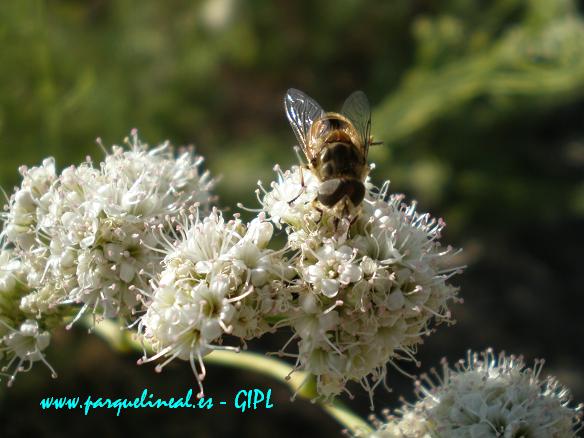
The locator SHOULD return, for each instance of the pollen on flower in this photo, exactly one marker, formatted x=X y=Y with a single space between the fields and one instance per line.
x=218 y=278
x=365 y=297
x=488 y=396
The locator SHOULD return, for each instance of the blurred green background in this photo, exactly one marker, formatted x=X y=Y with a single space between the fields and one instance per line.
x=480 y=105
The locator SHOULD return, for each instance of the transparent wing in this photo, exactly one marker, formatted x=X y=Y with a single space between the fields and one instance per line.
x=358 y=111
x=301 y=111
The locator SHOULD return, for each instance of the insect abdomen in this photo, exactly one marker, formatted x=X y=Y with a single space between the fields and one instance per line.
x=334 y=190
x=339 y=159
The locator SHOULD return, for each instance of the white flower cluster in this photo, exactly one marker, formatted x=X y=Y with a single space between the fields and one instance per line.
x=22 y=337
x=366 y=294
x=219 y=278
x=359 y=292
x=486 y=396
x=85 y=236
x=409 y=425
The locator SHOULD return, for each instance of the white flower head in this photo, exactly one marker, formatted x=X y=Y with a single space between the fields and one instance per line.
x=219 y=279
x=367 y=294
x=23 y=347
x=86 y=236
x=28 y=204
x=23 y=335
x=488 y=396
x=289 y=200
x=333 y=269
x=144 y=183
x=12 y=289
x=409 y=424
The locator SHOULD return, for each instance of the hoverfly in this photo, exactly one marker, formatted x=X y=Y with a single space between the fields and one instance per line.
x=336 y=147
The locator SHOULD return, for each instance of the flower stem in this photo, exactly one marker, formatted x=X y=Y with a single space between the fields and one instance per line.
x=300 y=383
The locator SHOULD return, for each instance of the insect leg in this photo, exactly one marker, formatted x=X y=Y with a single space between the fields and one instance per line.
x=374 y=143
x=336 y=224
x=302 y=187
x=320 y=210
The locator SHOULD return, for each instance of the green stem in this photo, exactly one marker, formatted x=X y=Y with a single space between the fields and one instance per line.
x=300 y=383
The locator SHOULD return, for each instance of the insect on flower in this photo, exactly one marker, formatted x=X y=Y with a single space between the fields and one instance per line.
x=336 y=147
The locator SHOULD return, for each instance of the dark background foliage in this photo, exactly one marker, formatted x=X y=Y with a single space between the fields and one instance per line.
x=480 y=105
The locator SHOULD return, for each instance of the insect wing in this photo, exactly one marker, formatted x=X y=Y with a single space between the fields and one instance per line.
x=356 y=108
x=302 y=111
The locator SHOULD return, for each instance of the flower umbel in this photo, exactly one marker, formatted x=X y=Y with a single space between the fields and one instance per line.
x=364 y=297
x=85 y=235
x=23 y=338
x=486 y=396
x=218 y=279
